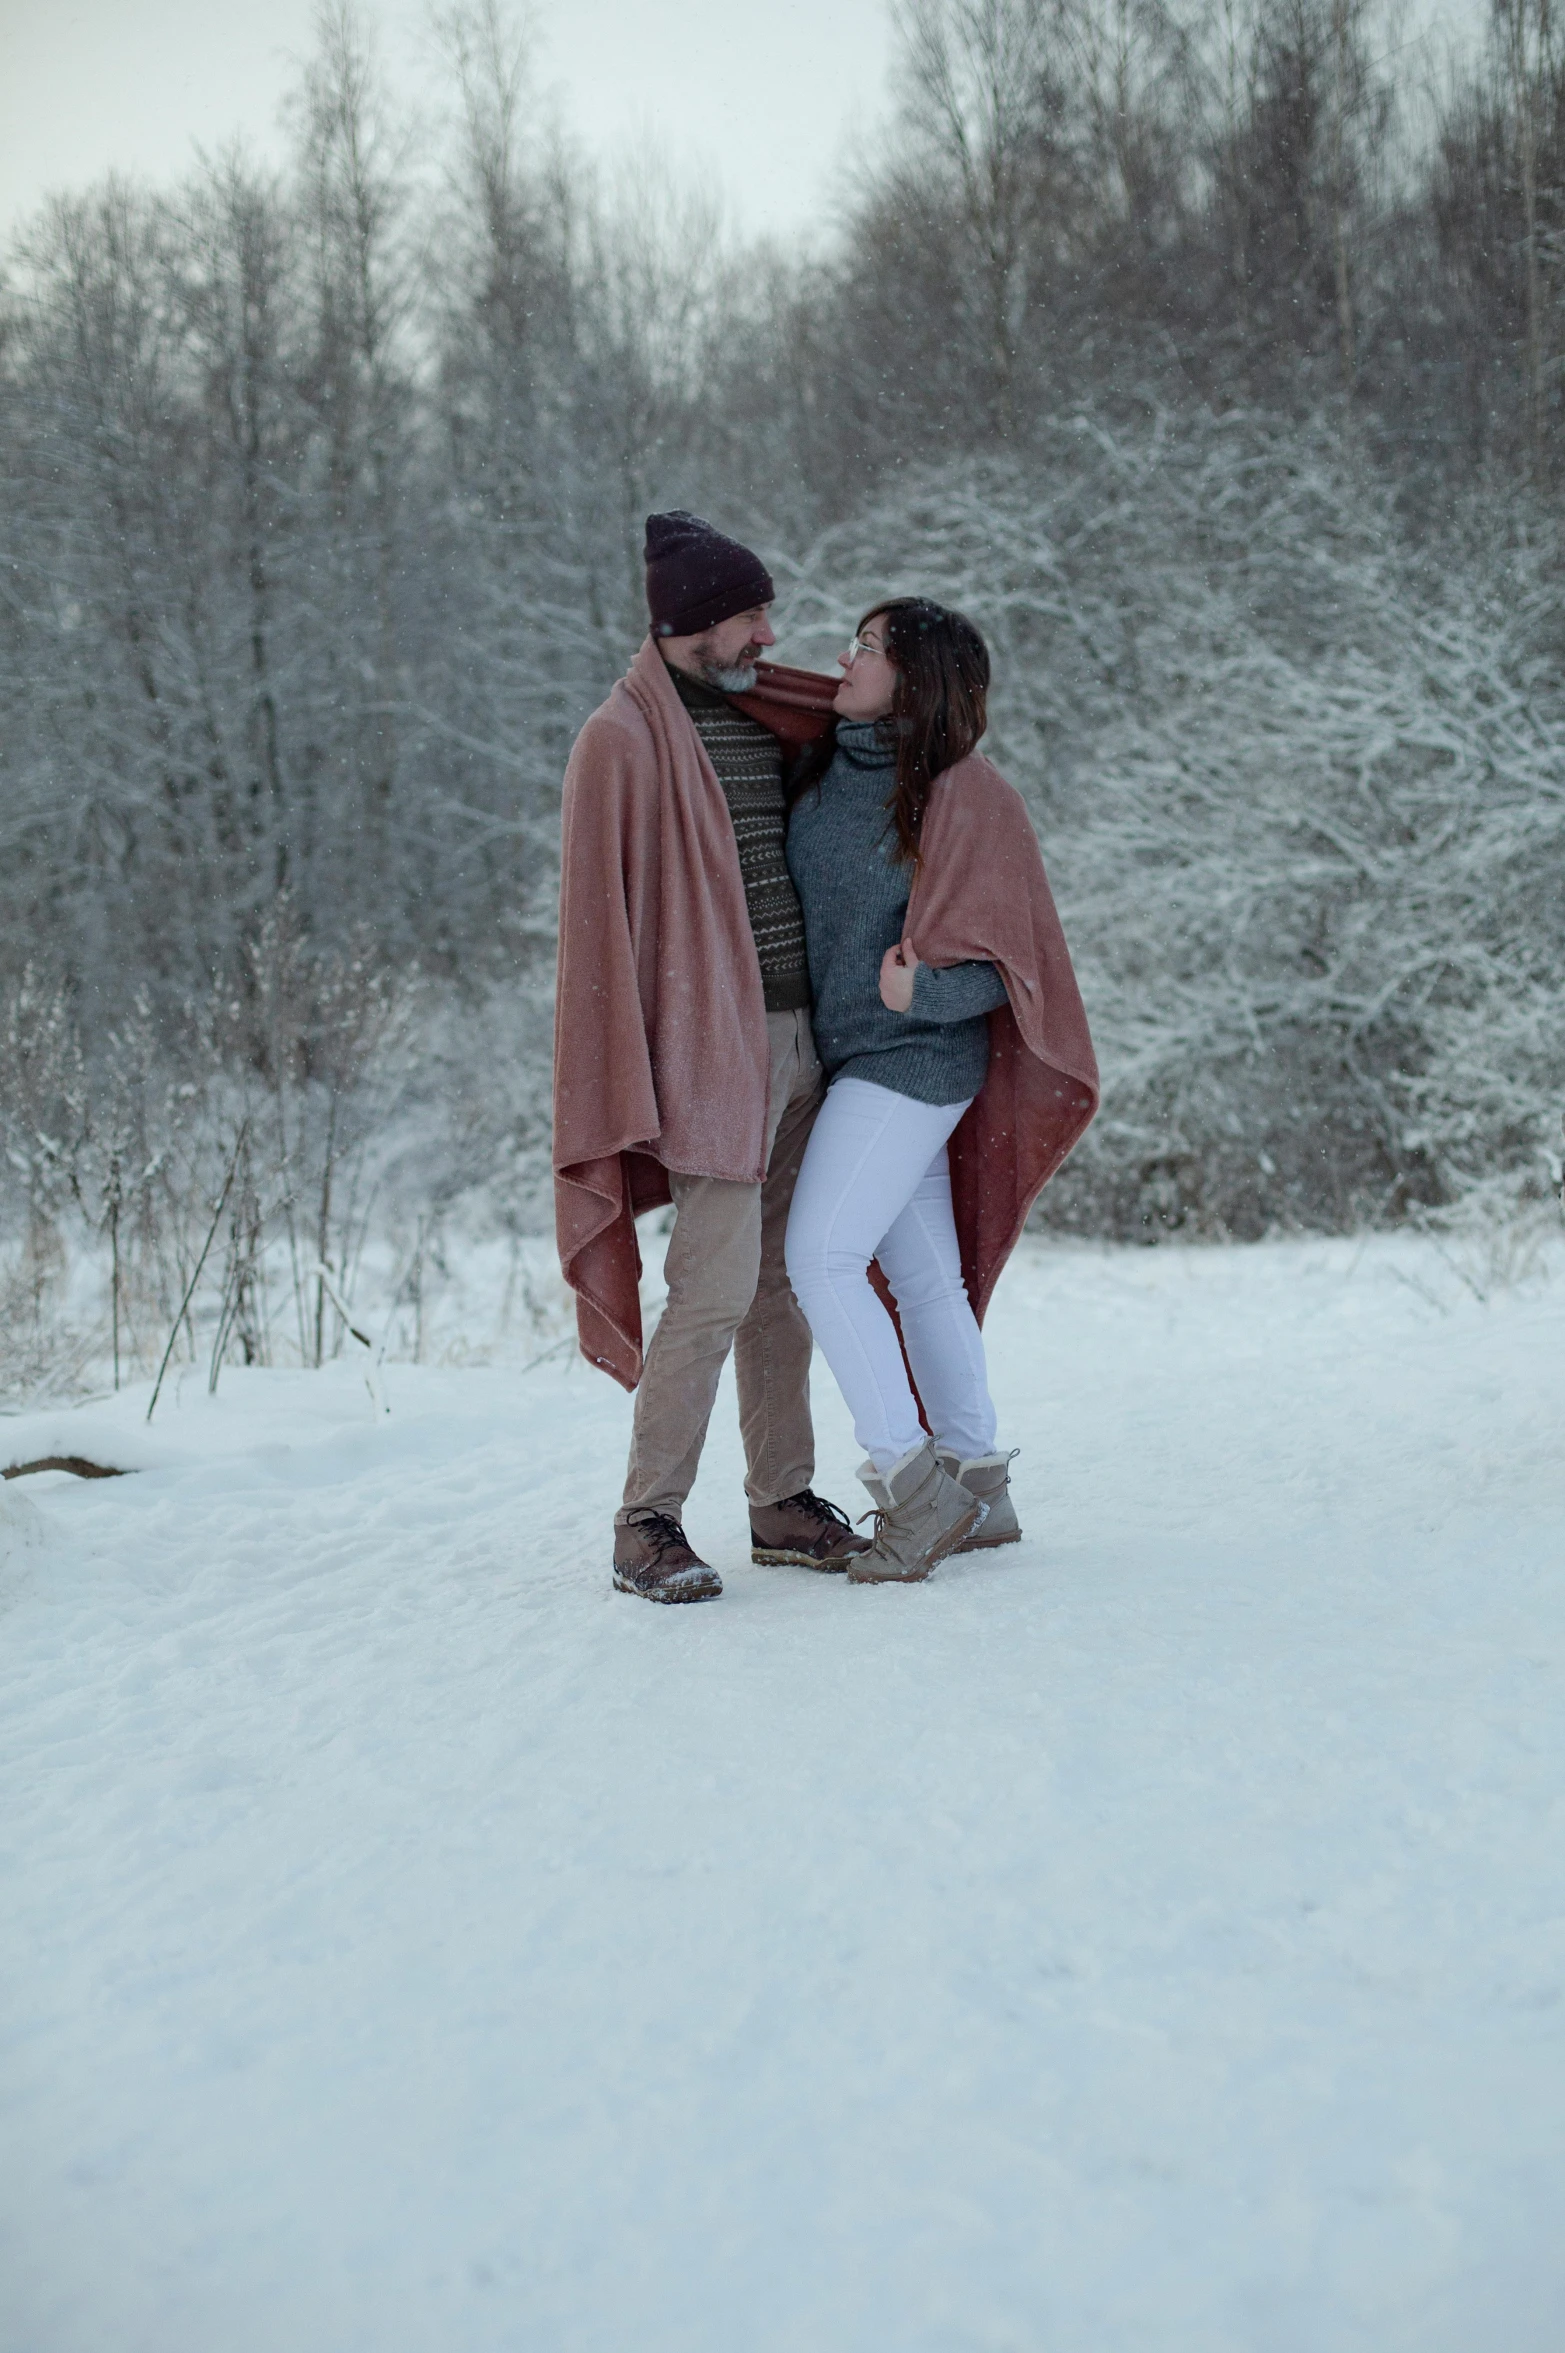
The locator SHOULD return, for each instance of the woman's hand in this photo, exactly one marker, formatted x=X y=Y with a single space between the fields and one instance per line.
x=898 y=971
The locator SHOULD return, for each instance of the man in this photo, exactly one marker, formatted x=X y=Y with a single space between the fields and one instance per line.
x=685 y=1069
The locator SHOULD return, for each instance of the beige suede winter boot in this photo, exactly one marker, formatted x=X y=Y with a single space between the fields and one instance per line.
x=988 y=1476
x=921 y=1515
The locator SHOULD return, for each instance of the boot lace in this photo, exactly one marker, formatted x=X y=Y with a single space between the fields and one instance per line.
x=661 y=1530
x=815 y=1507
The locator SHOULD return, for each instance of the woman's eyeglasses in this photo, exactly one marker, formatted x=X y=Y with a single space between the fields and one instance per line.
x=863 y=645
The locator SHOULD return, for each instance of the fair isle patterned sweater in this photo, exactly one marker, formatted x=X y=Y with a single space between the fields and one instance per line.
x=748 y=760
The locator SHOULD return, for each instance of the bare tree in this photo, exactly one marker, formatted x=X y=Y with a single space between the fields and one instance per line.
x=1525 y=29
x=355 y=194
x=984 y=104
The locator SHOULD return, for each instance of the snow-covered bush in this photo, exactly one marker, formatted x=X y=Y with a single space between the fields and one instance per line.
x=1301 y=786
x=323 y=1117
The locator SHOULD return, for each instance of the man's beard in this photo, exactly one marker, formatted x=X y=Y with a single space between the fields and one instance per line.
x=731 y=677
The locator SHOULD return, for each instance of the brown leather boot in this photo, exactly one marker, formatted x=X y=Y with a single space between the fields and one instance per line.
x=804 y=1531
x=653 y=1557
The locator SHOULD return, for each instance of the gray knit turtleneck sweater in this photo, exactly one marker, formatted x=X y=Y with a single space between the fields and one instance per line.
x=854 y=894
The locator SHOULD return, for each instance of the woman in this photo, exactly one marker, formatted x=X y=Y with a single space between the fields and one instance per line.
x=944 y=1008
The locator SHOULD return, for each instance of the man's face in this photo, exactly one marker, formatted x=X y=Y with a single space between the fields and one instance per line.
x=725 y=656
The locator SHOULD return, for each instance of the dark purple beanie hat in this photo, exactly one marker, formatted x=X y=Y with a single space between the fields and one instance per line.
x=696 y=577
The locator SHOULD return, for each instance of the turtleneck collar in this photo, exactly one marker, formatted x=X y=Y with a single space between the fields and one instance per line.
x=865 y=743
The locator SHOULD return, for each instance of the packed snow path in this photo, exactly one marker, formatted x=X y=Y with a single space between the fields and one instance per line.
x=1148 y=1940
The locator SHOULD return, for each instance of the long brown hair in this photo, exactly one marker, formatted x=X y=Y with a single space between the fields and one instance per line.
x=939 y=707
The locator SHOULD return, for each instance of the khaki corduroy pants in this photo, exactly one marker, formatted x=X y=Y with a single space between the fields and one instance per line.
x=728 y=1288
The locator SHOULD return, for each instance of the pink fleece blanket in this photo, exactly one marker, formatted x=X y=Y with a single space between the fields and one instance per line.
x=661 y=1058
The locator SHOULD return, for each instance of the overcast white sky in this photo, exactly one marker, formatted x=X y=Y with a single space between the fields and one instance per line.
x=766 y=99
x=769 y=100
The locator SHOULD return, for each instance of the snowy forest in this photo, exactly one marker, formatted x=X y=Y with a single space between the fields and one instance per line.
x=1208 y=353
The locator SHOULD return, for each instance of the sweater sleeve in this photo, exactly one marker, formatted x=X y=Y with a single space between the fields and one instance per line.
x=958 y=992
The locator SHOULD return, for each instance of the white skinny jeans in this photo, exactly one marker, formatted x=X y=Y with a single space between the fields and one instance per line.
x=876 y=1183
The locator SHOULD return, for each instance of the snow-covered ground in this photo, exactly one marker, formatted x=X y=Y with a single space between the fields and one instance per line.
x=1149 y=1940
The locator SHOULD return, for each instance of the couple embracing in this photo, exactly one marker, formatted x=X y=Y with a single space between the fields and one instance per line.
x=813 y=992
